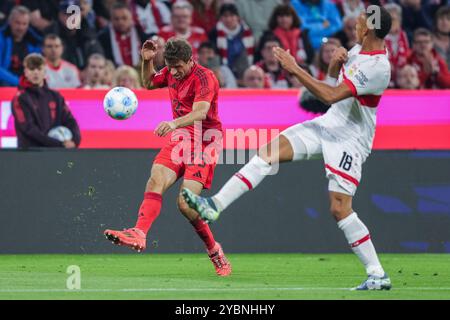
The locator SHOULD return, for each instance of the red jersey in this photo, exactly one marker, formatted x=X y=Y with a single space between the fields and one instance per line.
x=200 y=85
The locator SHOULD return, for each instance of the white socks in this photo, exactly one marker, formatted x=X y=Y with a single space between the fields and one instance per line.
x=246 y=179
x=358 y=237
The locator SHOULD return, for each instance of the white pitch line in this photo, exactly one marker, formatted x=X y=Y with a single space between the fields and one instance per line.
x=209 y=289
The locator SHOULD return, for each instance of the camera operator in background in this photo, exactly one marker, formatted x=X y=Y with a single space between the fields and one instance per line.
x=38 y=109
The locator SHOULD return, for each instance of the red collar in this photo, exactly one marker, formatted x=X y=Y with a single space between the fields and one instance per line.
x=375 y=52
x=25 y=84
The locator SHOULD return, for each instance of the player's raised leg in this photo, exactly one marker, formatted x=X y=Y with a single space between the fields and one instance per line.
x=160 y=180
x=358 y=237
x=277 y=151
x=213 y=248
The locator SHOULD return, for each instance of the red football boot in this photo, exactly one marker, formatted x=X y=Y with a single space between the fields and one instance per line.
x=133 y=238
x=220 y=262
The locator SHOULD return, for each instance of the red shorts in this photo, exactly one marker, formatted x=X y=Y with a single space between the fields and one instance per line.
x=196 y=169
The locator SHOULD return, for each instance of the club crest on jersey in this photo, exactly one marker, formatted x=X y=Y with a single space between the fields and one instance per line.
x=352 y=70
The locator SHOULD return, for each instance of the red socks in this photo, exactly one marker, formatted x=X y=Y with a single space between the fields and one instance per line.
x=204 y=232
x=149 y=211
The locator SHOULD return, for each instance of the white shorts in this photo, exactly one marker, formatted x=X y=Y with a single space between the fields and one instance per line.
x=342 y=159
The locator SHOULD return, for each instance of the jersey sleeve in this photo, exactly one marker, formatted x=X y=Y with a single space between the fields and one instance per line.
x=368 y=78
x=205 y=87
x=160 y=80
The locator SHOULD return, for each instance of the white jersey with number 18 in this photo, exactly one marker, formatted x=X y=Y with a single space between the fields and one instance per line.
x=367 y=74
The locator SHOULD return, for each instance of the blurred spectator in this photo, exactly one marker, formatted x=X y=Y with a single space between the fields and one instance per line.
x=95 y=72
x=320 y=17
x=207 y=57
x=5 y=8
x=234 y=40
x=126 y=76
x=414 y=17
x=101 y=12
x=285 y=24
x=158 y=61
x=256 y=13
x=408 y=78
x=43 y=13
x=255 y=78
x=347 y=35
x=149 y=15
x=205 y=14
x=432 y=69
x=181 y=26
x=319 y=70
x=278 y=77
x=79 y=41
x=121 y=40
x=108 y=75
x=88 y=13
x=351 y=8
x=396 y=41
x=17 y=40
x=60 y=73
x=441 y=36
x=37 y=109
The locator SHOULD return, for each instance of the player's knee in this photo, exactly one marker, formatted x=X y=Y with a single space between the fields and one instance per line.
x=336 y=210
x=155 y=183
x=340 y=208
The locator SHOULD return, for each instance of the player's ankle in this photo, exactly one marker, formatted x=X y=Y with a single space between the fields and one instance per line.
x=376 y=271
x=215 y=203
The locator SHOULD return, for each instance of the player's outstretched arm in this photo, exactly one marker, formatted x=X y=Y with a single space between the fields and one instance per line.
x=148 y=71
x=321 y=90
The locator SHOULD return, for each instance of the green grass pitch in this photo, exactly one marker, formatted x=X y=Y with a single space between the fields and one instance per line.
x=191 y=276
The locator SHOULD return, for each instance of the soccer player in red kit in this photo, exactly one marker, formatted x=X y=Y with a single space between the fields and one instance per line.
x=193 y=91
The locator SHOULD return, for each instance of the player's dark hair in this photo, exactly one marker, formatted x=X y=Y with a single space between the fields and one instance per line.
x=385 y=22
x=177 y=49
x=33 y=61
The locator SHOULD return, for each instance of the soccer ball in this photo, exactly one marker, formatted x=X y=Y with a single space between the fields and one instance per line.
x=120 y=103
x=60 y=133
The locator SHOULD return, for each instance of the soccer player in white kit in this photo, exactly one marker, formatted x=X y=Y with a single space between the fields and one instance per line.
x=343 y=137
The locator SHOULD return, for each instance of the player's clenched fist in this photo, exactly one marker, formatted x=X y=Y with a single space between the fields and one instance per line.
x=148 y=51
x=340 y=55
x=164 y=128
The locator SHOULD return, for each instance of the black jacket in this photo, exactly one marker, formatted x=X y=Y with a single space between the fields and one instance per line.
x=36 y=111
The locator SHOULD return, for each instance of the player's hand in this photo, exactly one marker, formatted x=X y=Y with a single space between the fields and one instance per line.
x=340 y=56
x=165 y=128
x=69 y=144
x=286 y=60
x=149 y=50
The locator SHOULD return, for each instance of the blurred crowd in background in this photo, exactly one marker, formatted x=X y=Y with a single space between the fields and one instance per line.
x=234 y=38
